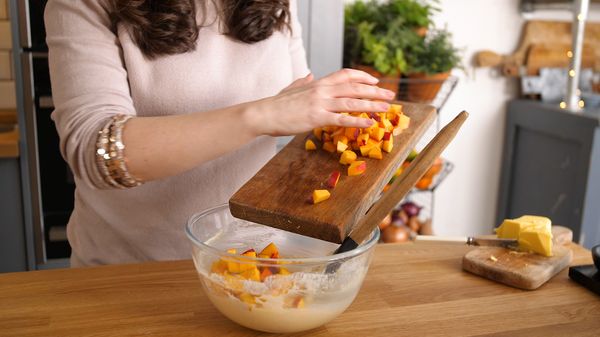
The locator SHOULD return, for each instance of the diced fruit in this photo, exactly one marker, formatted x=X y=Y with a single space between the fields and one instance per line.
x=341 y=147
x=347 y=157
x=329 y=147
x=395 y=119
x=352 y=133
x=218 y=267
x=309 y=145
x=365 y=149
x=404 y=122
x=377 y=133
x=357 y=167
x=362 y=139
x=333 y=179
x=329 y=129
x=320 y=195
x=375 y=116
x=318 y=133
x=271 y=251
x=338 y=132
x=251 y=274
x=386 y=124
x=396 y=108
x=284 y=271
x=387 y=136
x=375 y=153
x=298 y=302
x=388 y=145
x=247 y=298
x=266 y=272
x=233 y=267
x=326 y=137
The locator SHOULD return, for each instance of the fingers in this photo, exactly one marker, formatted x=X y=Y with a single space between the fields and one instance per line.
x=348 y=75
x=354 y=105
x=336 y=119
x=359 y=90
x=300 y=82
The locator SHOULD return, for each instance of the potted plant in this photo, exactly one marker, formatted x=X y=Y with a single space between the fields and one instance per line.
x=429 y=63
x=378 y=33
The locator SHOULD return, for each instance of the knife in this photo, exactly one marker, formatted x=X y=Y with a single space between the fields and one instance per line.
x=469 y=240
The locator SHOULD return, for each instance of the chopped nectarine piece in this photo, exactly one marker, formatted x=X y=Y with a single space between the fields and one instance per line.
x=375 y=153
x=266 y=272
x=271 y=251
x=396 y=108
x=320 y=195
x=318 y=133
x=388 y=145
x=329 y=129
x=298 y=302
x=251 y=274
x=387 y=136
x=362 y=139
x=347 y=157
x=218 y=267
x=284 y=271
x=404 y=122
x=377 y=133
x=329 y=147
x=340 y=138
x=352 y=133
x=333 y=179
x=386 y=124
x=326 y=137
x=309 y=145
x=365 y=149
x=247 y=298
x=357 y=167
x=233 y=267
x=341 y=147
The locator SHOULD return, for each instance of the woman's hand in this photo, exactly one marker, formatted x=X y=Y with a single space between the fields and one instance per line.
x=308 y=104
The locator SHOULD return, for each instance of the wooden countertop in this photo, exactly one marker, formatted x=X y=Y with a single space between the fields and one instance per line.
x=411 y=290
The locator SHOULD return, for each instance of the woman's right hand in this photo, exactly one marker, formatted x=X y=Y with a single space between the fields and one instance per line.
x=308 y=104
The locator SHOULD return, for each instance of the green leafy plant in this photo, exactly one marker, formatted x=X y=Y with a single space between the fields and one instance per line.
x=433 y=54
x=379 y=33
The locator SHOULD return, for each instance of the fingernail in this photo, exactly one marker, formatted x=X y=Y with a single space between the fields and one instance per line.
x=389 y=93
x=374 y=79
x=383 y=106
x=368 y=122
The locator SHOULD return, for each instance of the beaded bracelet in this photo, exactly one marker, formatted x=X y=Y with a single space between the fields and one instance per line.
x=111 y=160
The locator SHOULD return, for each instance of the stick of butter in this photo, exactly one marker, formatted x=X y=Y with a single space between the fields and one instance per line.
x=534 y=233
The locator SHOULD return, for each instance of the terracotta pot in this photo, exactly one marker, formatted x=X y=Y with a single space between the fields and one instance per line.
x=425 y=87
x=386 y=82
x=421 y=31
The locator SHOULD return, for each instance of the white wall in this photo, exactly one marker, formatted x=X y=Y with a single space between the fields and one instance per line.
x=465 y=203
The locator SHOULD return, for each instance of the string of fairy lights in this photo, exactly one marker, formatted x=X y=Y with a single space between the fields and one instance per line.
x=573 y=100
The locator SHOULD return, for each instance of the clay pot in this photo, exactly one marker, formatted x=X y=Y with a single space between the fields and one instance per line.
x=386 y=82
x=425 y=87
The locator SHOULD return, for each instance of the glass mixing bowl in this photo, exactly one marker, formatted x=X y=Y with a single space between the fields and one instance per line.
x=293 y=293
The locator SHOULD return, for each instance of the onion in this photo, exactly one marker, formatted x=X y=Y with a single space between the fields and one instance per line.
x=395 y=234
x=411 y=209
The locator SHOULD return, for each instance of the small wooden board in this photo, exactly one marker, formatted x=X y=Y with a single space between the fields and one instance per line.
x=278 y=194
x=521 y=270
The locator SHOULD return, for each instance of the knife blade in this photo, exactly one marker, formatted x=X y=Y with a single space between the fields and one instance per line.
x=469 y=240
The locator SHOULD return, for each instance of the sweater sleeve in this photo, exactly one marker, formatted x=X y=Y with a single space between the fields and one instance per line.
x=297 y=51
x=89 y=80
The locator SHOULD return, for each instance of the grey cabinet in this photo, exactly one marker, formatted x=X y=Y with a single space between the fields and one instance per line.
x=551 y=167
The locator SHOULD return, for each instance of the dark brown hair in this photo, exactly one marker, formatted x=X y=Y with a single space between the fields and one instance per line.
x=167 y=27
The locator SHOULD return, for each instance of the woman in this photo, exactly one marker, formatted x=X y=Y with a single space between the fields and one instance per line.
x=165 y=108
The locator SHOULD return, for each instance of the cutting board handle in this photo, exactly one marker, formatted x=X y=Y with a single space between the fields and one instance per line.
x=403 y=184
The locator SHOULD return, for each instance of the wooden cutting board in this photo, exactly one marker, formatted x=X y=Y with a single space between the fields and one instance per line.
x=521 y=270
x=278 y=194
